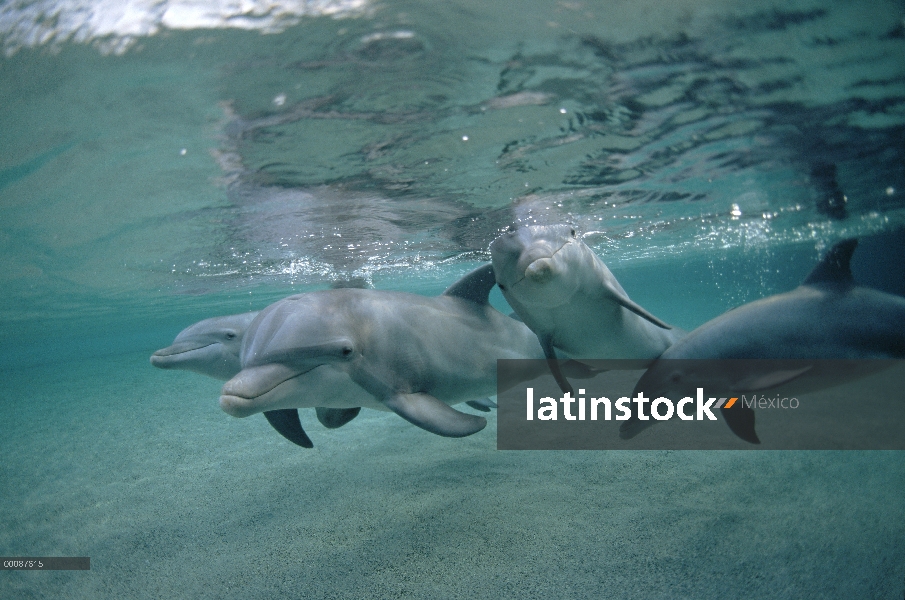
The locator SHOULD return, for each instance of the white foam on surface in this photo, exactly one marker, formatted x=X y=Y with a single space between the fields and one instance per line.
x=115 y=25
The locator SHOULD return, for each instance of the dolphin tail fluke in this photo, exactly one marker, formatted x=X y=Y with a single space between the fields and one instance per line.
x=331 y=418
x=286 y=422
x=740 y=420
x=435 y=416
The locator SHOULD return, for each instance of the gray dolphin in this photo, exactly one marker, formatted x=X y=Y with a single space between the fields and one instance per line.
x=826 y=317
x=350 y=348
x=570 y=299
x=210 y=347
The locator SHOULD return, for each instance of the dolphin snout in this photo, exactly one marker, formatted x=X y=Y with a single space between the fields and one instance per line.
x=540 y=271
x=238 y=407
x=160 y=361
x=169 y=357
x=244 y=394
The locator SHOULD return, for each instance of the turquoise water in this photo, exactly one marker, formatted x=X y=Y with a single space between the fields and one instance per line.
x=182 y=160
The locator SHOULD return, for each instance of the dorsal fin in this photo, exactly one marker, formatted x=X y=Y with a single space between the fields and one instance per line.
x=475 y=286
x=834 y=268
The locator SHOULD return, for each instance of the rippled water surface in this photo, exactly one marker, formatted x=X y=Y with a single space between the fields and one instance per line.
x=197 y=149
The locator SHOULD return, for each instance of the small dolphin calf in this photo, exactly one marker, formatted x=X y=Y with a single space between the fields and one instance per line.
x=570 y=299
x=210 y=347
x=351 y=348
x=826 y=317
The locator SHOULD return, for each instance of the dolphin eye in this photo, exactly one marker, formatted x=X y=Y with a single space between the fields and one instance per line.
x=230 y=335
x=502 y=287
x=572 y=231
x=347 y=350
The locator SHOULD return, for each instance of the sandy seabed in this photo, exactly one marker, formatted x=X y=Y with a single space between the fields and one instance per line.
x=171 y=498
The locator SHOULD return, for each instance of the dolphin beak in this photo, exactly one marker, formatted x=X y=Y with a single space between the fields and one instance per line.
x=540 y=271
x=538 y=263
x=241 y=395
x=169 y=357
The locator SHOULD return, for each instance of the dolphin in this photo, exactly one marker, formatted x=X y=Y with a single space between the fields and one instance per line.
x=570 y=299
x=210 y=347
x=350 y=348
x=827 y=317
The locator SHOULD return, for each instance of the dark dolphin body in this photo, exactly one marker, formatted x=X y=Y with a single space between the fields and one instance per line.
x=826 y=317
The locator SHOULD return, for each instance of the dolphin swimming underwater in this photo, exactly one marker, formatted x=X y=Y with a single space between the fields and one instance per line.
x=350 y=348
x=210 y=347
x=570 y=299
x=826 y=317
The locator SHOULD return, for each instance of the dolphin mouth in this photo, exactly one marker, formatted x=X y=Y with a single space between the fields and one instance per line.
x=173 y=356
x=539 y=270
x=176 y=350
x=242 y=396
x=255 y=394
x=244 y=403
